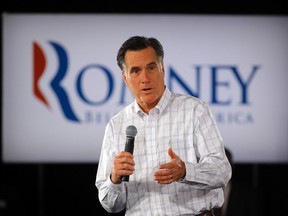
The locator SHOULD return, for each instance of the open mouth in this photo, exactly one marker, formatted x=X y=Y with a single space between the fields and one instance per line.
x=147 y=89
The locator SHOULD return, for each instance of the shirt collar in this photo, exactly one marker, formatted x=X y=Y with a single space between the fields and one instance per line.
x=162 y=104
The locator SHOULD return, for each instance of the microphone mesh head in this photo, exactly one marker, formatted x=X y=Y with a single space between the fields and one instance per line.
x=131 y=131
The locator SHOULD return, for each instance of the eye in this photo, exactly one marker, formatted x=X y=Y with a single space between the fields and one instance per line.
x=134 y=71
x=152 y=67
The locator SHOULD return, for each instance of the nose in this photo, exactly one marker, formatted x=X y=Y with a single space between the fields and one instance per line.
x=145 y=77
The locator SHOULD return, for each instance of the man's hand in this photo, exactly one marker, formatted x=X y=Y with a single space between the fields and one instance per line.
x=171 y=171
x=123 y=165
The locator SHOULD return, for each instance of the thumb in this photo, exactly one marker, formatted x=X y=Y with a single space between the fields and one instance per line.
x=174 y=157
x=172 y=154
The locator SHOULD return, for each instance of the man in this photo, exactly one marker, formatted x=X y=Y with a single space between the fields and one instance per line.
x=178 y=166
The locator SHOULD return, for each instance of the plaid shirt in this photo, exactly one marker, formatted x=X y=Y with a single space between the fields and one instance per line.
x=184 y=123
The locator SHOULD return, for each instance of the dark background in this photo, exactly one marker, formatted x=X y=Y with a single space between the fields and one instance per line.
x=69 y=189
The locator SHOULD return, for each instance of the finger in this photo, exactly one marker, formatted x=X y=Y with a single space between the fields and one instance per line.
x=167 y=179
x=123 y=165
x=124 y=154
x=163 y=172
x=122 y=169
x=124 y=157
x=174 y=157
x=172 y=154
x=168 y=165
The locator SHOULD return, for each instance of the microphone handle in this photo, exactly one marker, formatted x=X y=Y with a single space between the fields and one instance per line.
x=125 y=178
x=129 y=147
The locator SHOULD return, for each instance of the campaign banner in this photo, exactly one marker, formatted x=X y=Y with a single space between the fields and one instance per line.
x=61 y=83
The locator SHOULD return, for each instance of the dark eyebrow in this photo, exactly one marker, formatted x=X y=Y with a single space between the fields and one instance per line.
x=134 y=68
x=152 y=63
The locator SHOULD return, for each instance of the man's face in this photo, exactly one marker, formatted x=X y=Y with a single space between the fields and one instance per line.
x=144 y=76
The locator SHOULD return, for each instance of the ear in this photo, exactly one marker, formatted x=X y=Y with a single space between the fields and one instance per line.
x=163 y=70
x=124 y=77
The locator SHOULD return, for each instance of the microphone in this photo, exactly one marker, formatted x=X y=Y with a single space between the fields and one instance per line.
x=131 y=132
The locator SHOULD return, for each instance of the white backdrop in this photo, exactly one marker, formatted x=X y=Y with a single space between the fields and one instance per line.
x=57 y=111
